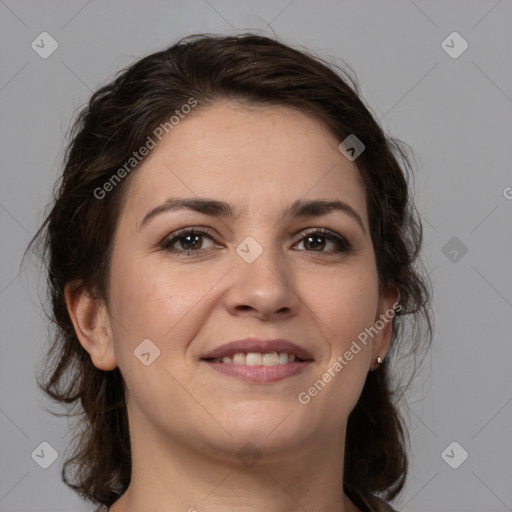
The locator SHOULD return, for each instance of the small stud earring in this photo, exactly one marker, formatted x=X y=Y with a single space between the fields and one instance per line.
x=379 y=360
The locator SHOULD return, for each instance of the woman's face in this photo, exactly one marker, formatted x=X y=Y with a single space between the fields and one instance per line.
x=252 y=274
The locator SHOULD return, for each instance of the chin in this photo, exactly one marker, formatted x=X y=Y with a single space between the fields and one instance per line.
x=273 y=430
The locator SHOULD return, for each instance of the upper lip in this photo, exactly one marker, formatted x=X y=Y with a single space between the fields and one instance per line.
x=257 y=345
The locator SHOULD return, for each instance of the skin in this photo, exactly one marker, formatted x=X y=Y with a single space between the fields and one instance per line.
x=187 y=421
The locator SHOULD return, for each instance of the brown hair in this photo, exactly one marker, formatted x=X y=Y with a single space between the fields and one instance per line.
x=76 y=240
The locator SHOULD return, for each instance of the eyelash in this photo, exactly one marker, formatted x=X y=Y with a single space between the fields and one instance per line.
x=341 y=242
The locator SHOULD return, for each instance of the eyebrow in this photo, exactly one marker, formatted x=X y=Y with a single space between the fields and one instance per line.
x=215 y=208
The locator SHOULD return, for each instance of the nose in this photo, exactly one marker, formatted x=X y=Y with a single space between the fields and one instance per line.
x=264 y=288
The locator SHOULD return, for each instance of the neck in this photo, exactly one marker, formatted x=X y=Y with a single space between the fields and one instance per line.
x=175 y=476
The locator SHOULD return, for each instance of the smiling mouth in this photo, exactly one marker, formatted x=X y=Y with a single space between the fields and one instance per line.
x=259 y=368
x=257 y=359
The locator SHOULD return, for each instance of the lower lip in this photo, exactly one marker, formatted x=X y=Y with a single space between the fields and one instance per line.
x=260 y=373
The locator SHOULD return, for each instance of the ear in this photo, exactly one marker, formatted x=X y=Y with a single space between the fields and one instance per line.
x=91 y=321
x=387 y=306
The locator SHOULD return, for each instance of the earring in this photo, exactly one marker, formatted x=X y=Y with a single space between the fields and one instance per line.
x=379 y=362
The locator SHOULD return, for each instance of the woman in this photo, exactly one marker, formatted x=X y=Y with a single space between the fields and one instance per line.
x=231 y=257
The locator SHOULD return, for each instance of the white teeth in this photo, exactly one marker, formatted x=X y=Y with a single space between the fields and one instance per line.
x=283 y=357
x=254 y=359
x=258 y=359
x=271 y=359
x=239 y=358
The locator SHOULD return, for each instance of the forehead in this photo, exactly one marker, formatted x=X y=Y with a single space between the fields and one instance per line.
x=255 y=156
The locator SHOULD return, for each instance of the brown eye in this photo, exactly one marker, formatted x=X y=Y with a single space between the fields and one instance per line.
x=190 y=241
x=186 y=241
x=316 y=241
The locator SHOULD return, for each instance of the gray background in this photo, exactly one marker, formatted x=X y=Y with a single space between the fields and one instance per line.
x=454 y=112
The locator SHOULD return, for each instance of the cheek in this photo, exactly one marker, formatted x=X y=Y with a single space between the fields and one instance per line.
x=344 y=301
x=344 y=307
x=150 y=301
x=345 y=304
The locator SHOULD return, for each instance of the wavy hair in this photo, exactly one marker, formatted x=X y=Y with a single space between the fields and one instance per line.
x=75 y=241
